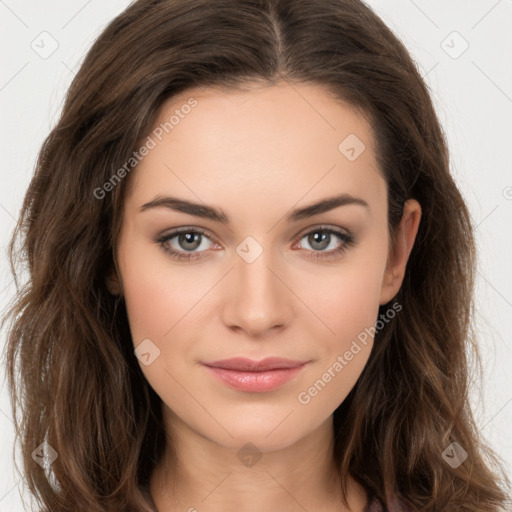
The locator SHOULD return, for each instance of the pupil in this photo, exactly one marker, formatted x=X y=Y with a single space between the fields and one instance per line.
x=320 y=237
x=188 y=238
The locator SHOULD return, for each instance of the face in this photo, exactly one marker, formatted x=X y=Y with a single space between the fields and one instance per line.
x=253 y=272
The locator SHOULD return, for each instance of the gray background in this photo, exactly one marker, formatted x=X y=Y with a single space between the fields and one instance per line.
x=464 y=51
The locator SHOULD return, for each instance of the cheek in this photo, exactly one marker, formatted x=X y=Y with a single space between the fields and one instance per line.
x=350 y=309
x=347 y=298
x=358 y=301
x=348 y=305
x=159 y=294
x=150 y=303
x=160 y=299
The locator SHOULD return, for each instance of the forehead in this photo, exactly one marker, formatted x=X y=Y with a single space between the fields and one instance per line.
x=298 y=111
x=287 y=140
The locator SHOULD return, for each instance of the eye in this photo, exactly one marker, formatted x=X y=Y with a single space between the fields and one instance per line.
x=187 y=244
x=183 y=243
x=320 y=239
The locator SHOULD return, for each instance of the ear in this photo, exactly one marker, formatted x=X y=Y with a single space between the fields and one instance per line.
x=112 y=281
x=400 y=249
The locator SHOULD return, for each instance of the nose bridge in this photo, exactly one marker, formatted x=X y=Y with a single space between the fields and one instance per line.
x=257 y=301
x=252 y=270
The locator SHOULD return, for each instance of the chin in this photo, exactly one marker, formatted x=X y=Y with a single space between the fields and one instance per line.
x=266 y=436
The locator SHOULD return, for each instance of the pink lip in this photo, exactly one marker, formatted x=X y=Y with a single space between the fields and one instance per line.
x=255 y=376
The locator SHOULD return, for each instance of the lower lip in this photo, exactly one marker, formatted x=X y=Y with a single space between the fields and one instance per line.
x=256 y=382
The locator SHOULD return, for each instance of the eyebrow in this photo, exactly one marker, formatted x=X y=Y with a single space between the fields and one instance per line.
x=209 y=212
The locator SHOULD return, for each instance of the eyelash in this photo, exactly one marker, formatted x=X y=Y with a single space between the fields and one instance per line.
x=347 y=239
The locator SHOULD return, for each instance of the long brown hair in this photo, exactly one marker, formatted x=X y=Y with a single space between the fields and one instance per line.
x=75 y=383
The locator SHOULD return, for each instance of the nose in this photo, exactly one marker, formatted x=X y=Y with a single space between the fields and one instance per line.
x=257 y=300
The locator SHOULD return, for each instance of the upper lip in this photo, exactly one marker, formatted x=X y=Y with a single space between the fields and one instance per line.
x=249 y=365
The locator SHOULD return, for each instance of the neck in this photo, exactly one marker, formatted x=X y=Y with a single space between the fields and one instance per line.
x=205 y=476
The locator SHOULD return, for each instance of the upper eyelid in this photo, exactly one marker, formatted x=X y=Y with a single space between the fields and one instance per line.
x=186 y=229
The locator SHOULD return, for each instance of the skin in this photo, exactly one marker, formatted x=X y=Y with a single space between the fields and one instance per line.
x=255 y=155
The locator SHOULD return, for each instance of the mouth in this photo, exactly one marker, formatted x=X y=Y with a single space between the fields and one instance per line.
x=255 y=376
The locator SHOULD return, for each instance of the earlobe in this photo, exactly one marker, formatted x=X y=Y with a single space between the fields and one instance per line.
x=401 y=249
x=112 y=281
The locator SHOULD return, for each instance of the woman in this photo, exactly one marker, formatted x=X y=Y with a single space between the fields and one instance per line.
x=254 y=369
